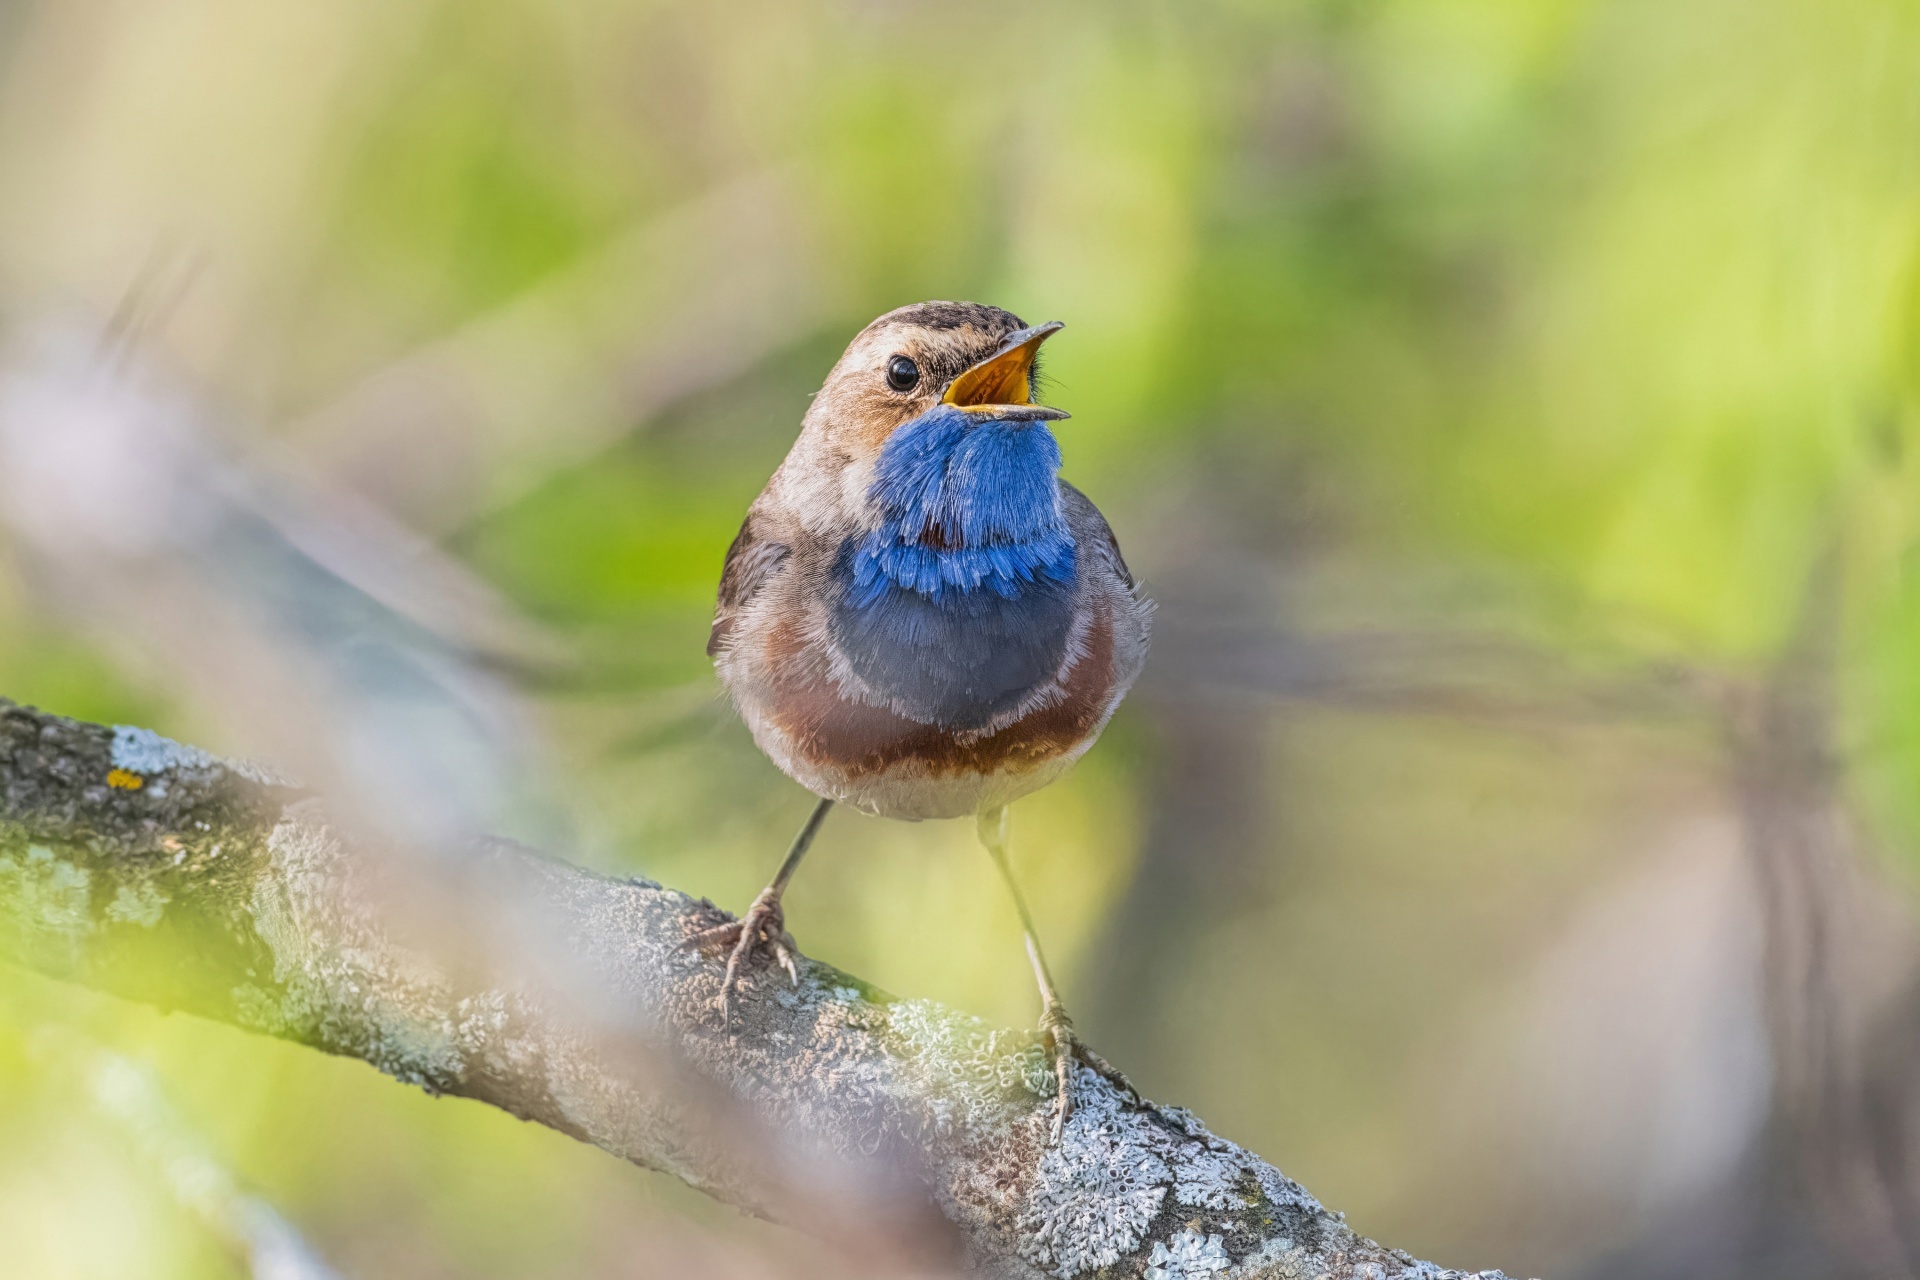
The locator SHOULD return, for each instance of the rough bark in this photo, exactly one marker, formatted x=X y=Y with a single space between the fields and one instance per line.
x=160 y=873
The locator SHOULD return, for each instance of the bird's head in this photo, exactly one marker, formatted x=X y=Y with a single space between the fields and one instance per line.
x=925 y=438
x=915 y=359
x=920 y=382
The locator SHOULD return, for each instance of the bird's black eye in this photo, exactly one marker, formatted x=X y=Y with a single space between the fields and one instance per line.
x=902 y=374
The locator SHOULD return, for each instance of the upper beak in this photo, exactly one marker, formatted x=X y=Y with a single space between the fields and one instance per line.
x=1002 y=384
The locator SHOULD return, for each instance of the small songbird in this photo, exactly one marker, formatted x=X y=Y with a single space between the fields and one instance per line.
x=919 y=618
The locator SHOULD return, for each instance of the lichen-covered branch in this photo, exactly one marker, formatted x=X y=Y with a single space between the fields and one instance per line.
x=164 y=874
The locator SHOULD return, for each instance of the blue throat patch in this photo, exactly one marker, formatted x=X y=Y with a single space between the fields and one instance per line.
x=960 y=601
x=965 y=505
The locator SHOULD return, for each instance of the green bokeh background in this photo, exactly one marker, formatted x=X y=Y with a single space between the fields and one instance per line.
x=1585 y=324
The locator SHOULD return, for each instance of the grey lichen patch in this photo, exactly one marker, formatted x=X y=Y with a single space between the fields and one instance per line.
x=254 y=1006
x=140 y=904
x=1283 y=1191
x=1350 y=1258
x=1219 y=1180
x=44 y=903
x=1271 y=1259
x=148 y=754
x=480 y=1021
x=1123 y=1172
x=1212 y=1173
x=1188 y=1256
x=1412 y=1269
x=145 y=752
x=969 y=1077
x=346 y=984
x=1097 y=1190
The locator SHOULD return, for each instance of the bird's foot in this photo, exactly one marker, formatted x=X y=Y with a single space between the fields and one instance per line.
x=761 y=928
x=1066 y=1049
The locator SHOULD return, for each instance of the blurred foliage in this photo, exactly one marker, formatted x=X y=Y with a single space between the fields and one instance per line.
x=1616 y=302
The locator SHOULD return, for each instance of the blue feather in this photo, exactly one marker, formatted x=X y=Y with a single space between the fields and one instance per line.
x=959 y=600
x=965 y=504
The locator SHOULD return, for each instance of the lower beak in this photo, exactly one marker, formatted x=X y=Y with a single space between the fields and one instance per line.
x=1001 y=386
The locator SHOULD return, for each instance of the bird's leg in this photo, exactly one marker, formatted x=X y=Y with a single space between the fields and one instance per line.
x=1064 y=1046
x=764 y=923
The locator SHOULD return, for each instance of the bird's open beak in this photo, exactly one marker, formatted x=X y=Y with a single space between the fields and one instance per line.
x=1001 y=386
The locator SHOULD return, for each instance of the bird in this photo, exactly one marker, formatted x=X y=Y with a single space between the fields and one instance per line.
x=918 y=618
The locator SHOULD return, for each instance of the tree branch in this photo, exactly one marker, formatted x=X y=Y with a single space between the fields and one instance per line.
x=160 y=873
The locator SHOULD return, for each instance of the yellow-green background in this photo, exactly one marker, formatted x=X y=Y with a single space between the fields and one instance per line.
x=1586 y=325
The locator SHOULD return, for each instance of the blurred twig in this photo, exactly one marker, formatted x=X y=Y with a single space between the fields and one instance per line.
x=126 y=1093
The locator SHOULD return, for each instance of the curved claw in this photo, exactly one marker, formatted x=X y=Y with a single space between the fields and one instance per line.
x=1104 y=1069
x=784 y=954
x=1062 y=1043
x=1067 y=1049
x=762 y=926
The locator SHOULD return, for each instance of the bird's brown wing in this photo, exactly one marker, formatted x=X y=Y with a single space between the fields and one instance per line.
x=751 y=561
